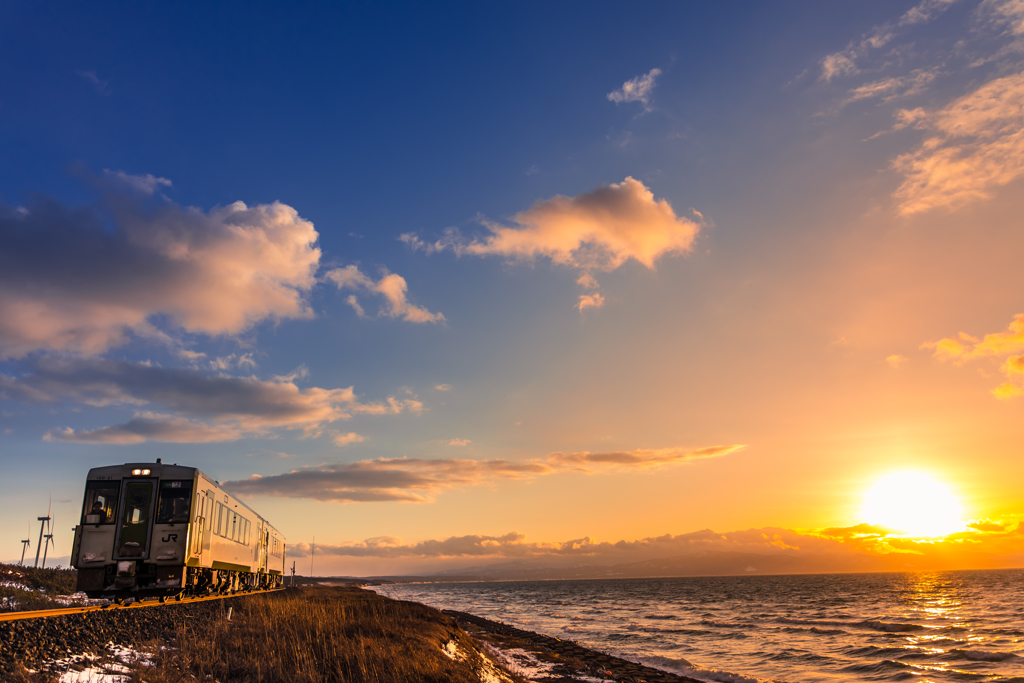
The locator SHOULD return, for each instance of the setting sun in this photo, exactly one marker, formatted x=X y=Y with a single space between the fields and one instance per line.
x=913 y=503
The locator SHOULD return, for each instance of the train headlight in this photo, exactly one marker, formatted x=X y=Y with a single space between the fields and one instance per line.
x=138 y=472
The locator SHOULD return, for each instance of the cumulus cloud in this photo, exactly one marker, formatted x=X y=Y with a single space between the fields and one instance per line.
x=973 y=146
x=443 y=387
x=593 y=231
x=1007 y=346
x=227 y=406
x=391 y=287
x=69 y=282
x=637 y=89
x=417 y=480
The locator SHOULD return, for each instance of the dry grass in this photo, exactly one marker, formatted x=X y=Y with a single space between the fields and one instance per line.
x=317 y=635
x=31 y=589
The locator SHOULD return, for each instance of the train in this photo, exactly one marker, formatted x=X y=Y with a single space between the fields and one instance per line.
x=170 y=530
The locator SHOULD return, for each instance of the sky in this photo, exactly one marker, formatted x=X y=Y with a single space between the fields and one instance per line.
x=586 y=282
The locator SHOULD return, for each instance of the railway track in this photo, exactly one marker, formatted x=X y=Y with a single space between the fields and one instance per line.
x=136 y=604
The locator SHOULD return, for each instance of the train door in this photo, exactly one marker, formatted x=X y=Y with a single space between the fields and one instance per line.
x=208 y=531
x=202 y=521
x=136 y=518
x=264 y=537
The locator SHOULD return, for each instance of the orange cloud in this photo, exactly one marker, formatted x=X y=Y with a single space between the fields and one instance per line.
x=975 y=144
x=391 y=286
x=346 y=439
x=593 y=231
x=896 y=360
x=1008 y=344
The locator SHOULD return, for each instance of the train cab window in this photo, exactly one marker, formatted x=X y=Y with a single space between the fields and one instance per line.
x=175 y=498
x=100 y=502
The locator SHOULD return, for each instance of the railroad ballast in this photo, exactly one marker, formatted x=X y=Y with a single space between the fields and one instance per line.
x=169 y=529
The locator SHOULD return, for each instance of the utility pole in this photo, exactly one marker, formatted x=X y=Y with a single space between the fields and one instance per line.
x=293 y=574
x=24 y=544
x=42 y=525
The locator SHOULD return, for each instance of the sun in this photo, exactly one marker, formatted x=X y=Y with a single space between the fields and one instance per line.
x=914 y=503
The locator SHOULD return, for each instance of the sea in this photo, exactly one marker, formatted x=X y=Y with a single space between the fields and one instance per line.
x=924 y=627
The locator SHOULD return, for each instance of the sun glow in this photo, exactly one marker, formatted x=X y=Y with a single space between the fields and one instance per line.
x=913 y=503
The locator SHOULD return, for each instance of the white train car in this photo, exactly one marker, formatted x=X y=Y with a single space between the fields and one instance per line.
x=169 y=529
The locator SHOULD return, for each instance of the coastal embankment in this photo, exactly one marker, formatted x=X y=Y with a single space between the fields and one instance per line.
x=322 y=634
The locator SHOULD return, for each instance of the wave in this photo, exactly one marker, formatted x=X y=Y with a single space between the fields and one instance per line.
x=726 y=624
x=660 y=616
x=683 y=667
x=872 y=624
x=984 y=655
x=646 y=628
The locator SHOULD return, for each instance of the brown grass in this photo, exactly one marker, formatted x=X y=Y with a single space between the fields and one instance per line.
x=317 y=635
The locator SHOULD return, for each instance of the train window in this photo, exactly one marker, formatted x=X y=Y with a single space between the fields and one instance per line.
x=221 y=519
x=234 y=527
x=175 y=497
x=100 y=502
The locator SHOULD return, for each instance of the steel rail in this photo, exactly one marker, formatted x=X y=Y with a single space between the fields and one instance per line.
x=149 y=602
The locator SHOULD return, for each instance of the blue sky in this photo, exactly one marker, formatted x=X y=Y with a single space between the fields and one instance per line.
x=771 y=159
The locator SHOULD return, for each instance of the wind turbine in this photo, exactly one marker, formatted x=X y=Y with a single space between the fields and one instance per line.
x=49 y=542
x=42 y=525
x=27 y=543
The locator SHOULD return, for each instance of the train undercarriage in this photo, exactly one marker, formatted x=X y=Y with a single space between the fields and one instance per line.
x=170 y=581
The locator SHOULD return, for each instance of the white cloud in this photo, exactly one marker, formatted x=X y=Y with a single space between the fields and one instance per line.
x=391 y=286
x=70 y=284
x=101 y=86
x=637 y=89
x=443 y=387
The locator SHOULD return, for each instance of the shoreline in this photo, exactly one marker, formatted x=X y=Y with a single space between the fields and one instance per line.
x=565 y=660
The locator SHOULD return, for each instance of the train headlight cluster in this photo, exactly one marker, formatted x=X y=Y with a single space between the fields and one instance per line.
x=142 y=472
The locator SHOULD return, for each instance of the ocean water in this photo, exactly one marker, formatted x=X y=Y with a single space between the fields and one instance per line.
x=937 y=626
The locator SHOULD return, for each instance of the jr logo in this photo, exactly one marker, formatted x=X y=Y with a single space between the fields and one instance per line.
x=170 y=537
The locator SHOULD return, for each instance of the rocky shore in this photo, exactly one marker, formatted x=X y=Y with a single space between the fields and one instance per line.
x=551 y=660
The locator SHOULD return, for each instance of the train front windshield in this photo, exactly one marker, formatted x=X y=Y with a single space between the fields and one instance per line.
x=100 y=502
x=175 y=499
